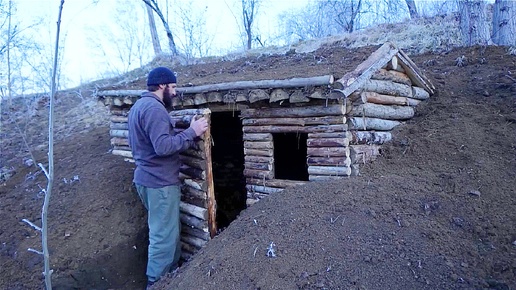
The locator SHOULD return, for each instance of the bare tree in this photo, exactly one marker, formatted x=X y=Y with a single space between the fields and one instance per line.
x=153 y=31
x=154 y=5
x=249 y=12
x=195 y=42
x=5 y=12
x=21 y=52
x=122 y=44
x=504 y=22
x=50 y=173
x=386 y=11
x=323 y=18
x=473 y=22
x=300 y=25
x=9 y=29
x=411 y=4
x=346 y=11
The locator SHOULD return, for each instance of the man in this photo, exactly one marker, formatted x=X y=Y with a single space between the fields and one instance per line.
x=156 y=149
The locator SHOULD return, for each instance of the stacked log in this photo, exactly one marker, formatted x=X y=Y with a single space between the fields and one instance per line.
x=383 y=102
x=260 y=188
x=258 y=163
x=249 y=92
x=118 y=131
x=292 y=90
x=197 y=208
x=328 y=155
x=327 y=145
x=120 y=98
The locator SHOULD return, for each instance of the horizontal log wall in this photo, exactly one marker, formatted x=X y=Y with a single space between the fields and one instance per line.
x=327 y=144
x=328 y=155
x=259 y=188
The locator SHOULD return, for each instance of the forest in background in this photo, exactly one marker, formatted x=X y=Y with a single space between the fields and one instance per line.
x=181 y=30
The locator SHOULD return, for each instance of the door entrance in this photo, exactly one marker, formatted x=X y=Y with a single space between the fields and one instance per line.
x=228 y=166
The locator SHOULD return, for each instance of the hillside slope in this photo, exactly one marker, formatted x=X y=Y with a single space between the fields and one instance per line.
x=436 y=211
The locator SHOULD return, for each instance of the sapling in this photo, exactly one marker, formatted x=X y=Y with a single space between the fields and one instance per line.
x=50 y=173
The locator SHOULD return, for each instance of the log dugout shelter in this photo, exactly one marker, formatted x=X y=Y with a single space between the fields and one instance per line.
x=268 y=135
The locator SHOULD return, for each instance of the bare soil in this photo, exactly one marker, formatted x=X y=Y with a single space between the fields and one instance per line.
x=436 y=211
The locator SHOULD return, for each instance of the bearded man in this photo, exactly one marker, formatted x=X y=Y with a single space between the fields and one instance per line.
x=155 y=148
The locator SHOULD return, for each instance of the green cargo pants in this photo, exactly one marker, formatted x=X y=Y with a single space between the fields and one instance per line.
x=162 y=206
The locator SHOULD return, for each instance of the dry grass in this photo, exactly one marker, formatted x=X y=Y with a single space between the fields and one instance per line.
x=418 y=36
x=414 y=37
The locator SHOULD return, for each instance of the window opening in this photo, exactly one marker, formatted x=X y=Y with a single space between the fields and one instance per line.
x=290 y=153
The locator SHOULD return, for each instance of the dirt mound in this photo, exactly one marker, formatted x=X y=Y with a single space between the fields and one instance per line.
x=436 y=211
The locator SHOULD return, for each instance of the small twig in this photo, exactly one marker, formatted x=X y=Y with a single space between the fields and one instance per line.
x=44 y=170
x=415 y=275
x=255 y=250
x=513 y=79
x=31 y=224
x=41 y=192
x=270 y=250
x=334 y=220
x=35 y=251
x=23 y=135
x=79 y=94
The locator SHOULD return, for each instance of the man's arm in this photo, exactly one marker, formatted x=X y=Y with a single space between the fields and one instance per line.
x=158 y=127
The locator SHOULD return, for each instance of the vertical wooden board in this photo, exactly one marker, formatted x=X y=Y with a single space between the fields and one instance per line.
x=211 y=202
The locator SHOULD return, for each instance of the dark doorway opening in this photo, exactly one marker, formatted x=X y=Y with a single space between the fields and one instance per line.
x=290 y=152
x=228 y=166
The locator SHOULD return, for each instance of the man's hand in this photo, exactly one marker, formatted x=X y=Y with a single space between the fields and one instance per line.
x=199 y=125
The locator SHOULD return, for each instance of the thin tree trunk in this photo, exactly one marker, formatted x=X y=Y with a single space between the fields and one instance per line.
x=249 y=10
x=248 y=21
x=153 y=31
x=9 y=57
x=50 y=173
x=504 y=22
x=411 y=4
x=354 y=14
x=154 y=5
x=473 y=22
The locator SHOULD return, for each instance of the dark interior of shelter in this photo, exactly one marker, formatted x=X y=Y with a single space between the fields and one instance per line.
x=228 y=166
x=290 y=153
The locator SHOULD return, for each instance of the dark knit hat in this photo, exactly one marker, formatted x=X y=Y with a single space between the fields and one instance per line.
x=160 y=76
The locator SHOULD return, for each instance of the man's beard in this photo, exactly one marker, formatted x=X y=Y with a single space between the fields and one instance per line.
x=167 y=98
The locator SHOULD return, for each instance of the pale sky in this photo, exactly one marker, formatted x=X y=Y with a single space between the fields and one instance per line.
x=80 y=20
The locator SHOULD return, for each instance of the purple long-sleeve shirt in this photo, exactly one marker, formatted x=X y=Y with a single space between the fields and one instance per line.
x=154 y=145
